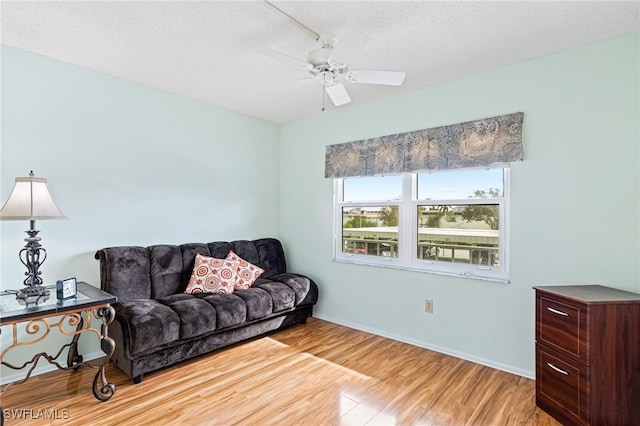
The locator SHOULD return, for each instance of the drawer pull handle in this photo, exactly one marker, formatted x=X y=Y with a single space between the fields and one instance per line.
x=559 y=370
x=555 y=311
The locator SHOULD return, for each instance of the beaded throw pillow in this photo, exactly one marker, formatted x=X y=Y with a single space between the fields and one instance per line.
x=247 y=273
x=211 y=275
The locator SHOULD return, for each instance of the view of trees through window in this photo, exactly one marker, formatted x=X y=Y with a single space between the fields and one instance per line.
x=457 y=217
x=370 y=230
x=459 y=233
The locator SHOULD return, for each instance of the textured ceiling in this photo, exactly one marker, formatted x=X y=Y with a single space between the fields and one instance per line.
x=210 y=50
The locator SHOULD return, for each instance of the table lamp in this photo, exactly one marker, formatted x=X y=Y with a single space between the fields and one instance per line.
x=31 y=200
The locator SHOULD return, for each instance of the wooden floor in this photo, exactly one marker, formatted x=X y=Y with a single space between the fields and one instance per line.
x=314 y=374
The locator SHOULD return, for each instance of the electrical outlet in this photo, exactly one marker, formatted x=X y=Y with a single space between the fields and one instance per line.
x=428 y=306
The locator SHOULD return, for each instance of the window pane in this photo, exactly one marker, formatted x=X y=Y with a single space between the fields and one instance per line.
x=459 y=233
x=370 y=230
x=375 y=188
x=460 y=184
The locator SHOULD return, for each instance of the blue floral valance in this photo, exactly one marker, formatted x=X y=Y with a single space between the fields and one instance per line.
x=472 y=144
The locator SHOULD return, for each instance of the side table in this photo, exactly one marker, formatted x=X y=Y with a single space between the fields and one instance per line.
x=71 y=317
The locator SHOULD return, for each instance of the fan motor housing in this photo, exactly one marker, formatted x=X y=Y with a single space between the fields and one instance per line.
x=320 y=59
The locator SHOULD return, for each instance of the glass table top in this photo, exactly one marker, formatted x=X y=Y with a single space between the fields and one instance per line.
x=12 y=309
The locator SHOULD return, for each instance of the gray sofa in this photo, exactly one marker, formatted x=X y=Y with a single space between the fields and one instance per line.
x=156 y=324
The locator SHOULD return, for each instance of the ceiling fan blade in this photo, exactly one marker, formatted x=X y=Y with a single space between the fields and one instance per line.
x=282 y=56
x=391 y=78
x=350 y=44
x=338 y=94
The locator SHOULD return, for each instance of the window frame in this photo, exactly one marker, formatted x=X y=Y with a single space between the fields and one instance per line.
x=408 y=231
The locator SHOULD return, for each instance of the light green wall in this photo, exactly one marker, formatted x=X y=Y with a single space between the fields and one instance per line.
x=574 y=205
x=129 y=165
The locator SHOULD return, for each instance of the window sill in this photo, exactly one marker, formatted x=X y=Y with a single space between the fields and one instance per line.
x=466 y=275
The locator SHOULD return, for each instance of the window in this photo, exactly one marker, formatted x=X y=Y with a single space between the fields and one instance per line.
x=368 y=222
x=449 y=222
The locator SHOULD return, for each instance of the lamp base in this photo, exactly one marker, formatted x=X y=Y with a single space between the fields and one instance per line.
x=33 y=256
x=33 y=295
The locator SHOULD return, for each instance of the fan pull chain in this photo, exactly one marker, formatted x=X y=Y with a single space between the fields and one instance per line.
x=324 y=91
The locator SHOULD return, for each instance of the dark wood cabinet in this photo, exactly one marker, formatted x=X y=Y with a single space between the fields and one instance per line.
x=588 y=354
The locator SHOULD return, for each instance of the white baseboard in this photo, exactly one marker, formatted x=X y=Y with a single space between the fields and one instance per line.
x=44 y=368
x=489 y=363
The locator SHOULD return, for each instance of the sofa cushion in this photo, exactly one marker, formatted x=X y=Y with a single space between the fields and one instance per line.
x=219 y=249
x=258 y=301
x=165 y=269
x=231 y=310
x=196 y=315
x=246 y=250
x=271 y=255
x=282 y=295
x=247 y=272
x=211 y=275
x=149 y=323
x=306 y=292
x=189 y=252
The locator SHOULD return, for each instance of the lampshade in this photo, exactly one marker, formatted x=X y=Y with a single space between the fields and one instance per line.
x=30 y=200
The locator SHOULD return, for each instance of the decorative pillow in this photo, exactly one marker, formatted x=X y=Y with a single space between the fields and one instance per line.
x=247 y=273
x=212 y=275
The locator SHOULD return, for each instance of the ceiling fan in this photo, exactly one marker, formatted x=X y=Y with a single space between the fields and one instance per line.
x=330 y=63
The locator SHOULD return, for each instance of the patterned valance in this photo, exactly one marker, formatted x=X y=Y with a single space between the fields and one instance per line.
x=472 y=144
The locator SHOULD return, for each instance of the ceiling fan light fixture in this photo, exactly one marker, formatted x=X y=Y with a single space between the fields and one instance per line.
x=319 y=57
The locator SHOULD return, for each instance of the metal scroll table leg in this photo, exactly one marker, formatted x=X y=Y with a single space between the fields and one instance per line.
x=74 y=359
x=104 y=390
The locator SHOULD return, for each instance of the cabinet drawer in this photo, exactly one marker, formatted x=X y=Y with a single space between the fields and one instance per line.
x=562 y=326
x=561 y=386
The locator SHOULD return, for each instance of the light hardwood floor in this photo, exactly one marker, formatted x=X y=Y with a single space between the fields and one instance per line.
x=314 y=374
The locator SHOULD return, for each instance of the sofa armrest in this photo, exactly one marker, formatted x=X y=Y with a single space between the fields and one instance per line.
x=124 y=272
